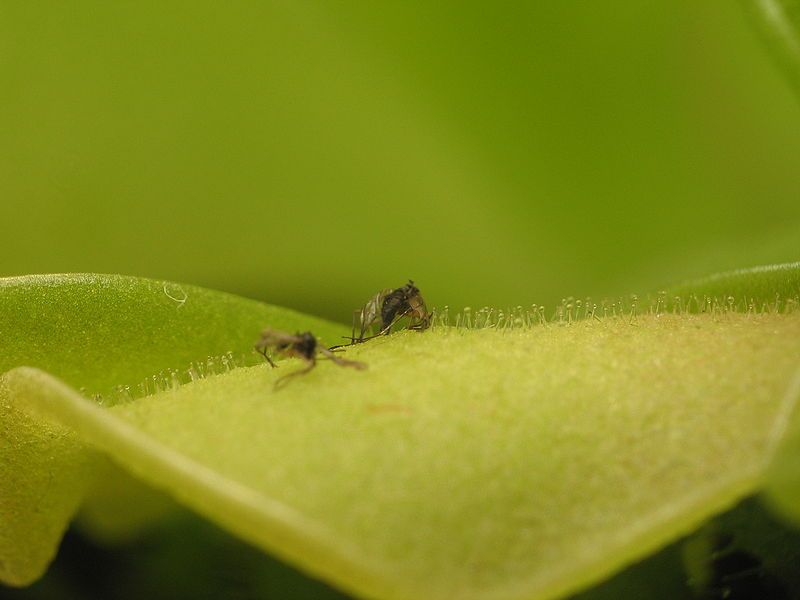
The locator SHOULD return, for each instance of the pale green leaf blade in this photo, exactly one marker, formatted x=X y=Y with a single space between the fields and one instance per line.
x=537 y=462
x=473 y=464
x=45 y=470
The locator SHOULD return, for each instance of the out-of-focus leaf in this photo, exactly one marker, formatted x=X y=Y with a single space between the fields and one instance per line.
x=773 y=286
x=779 y=23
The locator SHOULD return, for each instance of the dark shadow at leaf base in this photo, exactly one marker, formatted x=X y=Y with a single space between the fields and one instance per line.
x=744 y=554
x=188 y=559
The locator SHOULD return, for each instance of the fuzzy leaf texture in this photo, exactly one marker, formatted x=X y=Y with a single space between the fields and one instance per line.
x=519 y=460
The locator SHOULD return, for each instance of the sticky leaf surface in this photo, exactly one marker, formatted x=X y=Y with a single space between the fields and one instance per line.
x=522 y=463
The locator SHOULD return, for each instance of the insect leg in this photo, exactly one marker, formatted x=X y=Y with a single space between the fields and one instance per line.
x=353 y=339
x=353 y=331
x=282 y=381
x=263 y=351
x=366 y=324
x=388 y=328
x=343 y=361
x=420 y=325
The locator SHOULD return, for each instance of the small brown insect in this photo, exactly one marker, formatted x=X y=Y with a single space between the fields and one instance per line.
x=386 y=308
x=301 y=345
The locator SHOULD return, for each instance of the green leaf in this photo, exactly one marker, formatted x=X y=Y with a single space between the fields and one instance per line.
x=99 y=332
x=757 y=289
x=470 y=463
x=106 y=334
x=778 y=21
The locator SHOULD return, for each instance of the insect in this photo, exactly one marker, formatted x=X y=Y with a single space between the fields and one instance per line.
x=386 y=308
x=301 y=345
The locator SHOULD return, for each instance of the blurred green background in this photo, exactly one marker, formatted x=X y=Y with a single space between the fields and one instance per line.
x=311 y=153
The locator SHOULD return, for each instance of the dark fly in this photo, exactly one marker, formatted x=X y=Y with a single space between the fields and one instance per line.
x=386 y=308
x=405 y=301
x=301 y=345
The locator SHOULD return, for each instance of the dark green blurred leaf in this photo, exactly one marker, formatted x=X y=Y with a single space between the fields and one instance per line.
x=310 y=154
